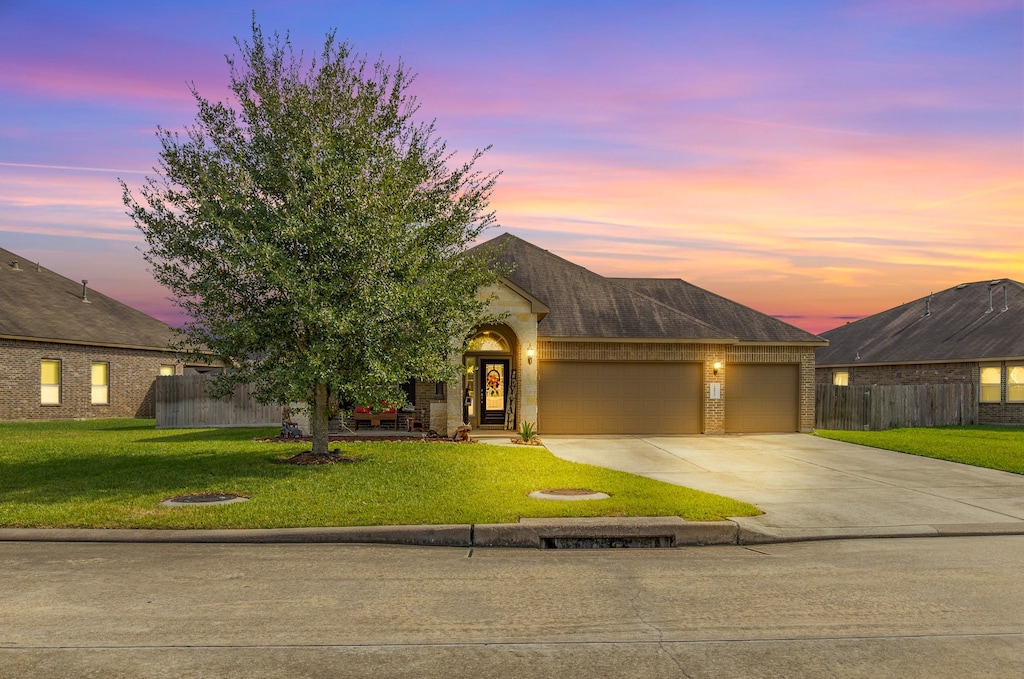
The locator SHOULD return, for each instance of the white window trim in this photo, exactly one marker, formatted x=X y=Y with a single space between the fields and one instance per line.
x=43 y=386
x=1010 y=367
x=104 y=388
x=982 y=384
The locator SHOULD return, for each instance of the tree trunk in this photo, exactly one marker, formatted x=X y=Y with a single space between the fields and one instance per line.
x=318 y=419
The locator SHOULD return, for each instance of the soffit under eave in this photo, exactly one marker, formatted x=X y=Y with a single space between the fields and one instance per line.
x=640 y=340
x=821 y=343
x=84 y=343
x=948 y=361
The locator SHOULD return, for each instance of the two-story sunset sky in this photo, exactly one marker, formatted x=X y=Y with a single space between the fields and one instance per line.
x=816 y=160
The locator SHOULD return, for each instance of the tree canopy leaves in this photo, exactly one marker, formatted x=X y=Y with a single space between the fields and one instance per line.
x=314 y=230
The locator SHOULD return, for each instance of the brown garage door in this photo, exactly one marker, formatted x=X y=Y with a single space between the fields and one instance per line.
x=619 y=398
x=761 y=398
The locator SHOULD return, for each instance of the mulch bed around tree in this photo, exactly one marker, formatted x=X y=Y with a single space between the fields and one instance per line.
x=335 y=456
x=308 y=458
x=364 y=439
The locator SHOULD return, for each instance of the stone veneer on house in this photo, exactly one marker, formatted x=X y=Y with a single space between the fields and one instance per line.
x=517 y=313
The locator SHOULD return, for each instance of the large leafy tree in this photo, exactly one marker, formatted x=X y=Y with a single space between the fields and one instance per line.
x=314 y=231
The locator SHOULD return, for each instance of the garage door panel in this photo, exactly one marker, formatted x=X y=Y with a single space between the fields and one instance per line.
x=619 y=398
x=762 y=398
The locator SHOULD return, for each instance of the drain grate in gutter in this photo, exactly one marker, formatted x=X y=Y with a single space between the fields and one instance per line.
x=618 y=542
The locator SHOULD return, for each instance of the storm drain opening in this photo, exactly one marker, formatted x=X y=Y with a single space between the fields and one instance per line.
x=618 y=542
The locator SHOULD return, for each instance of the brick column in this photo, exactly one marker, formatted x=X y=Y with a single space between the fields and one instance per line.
x=714 y=409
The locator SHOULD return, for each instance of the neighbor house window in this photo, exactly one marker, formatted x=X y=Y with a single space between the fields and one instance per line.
x=166 y=370
x=991 y=383
x=49 y=382
x=100 y=383
x=1015 y=382
x=841 y=379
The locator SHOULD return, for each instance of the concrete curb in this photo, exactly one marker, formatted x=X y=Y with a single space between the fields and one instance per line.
x=671 y=530
x=442 y=535
x=534 y=533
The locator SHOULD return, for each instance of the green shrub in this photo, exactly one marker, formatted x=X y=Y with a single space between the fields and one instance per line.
x=527 y=431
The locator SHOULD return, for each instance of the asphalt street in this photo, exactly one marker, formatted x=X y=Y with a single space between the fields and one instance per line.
x=923 y=607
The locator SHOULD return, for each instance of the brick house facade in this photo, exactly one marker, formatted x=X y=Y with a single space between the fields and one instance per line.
x=970 y=334
x=617 y=345
x=131 y=374
x=70 y=352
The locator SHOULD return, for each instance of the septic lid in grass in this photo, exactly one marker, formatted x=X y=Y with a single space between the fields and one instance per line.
x=203 y=499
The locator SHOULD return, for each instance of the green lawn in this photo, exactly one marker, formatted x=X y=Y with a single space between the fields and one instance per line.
x=114 y=474
x=995 y=447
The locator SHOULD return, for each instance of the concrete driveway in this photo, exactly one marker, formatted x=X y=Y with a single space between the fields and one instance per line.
x=811 y=487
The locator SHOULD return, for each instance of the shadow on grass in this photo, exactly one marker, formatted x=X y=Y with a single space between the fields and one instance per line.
x=90 y=476
x=1000 y=428
x=219 y=435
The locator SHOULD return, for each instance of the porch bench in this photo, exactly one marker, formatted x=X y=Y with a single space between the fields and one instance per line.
x=375 y=418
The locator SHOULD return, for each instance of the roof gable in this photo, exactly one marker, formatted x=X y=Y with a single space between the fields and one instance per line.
x=536 y=306
x=36 y=303
x=955 y=324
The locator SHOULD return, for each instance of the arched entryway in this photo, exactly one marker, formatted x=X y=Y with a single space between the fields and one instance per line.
x=489 y=379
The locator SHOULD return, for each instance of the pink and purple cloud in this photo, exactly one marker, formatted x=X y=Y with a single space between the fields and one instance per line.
x=816 y=161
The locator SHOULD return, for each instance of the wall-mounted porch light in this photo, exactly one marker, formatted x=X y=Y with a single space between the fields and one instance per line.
x=529 y=354
x=717 y=366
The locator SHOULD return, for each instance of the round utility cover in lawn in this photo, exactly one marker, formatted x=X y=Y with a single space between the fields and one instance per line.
x=199 y=499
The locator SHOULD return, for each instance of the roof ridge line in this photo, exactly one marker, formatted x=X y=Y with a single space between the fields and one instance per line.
x=611 y=281
x=715 y=294
x=727 y=334
x=76 y=284
x=930 y=295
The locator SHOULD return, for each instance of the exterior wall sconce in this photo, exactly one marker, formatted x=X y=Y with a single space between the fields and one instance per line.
x=717 y=366
x=529 y=354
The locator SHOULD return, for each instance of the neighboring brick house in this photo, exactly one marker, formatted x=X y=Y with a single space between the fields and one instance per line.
x=69 y=352
x=579 y=353
x=971 y=333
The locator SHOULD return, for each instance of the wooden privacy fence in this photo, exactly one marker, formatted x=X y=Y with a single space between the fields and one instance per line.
x=183 y=401
x=890 y=406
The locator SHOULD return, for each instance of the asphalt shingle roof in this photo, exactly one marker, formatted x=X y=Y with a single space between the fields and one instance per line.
x=584 y=304
x=43 y=305
x=745 y=323
x=951 y=325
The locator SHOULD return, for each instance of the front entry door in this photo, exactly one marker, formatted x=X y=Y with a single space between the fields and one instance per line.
x=493 y=390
